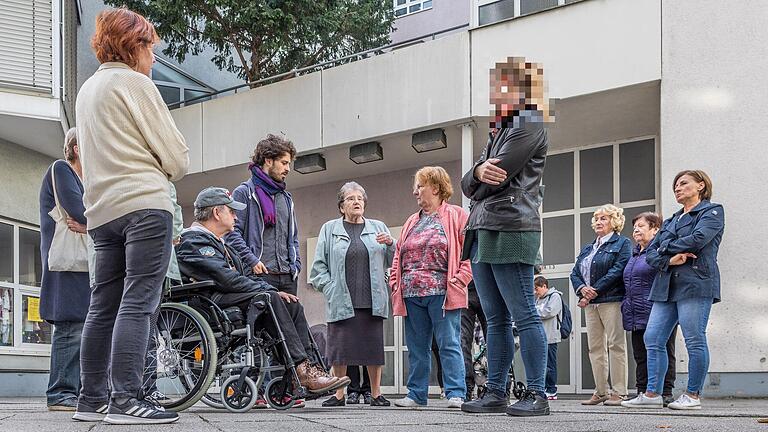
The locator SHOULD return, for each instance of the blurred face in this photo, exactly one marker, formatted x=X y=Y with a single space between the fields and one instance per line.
x=688 y=189
x=426 y=194
x=353 y=205
x=505 y=97
x=226 y=218
x=145 y=60
x=278 y=168
x=602 y=225
x=642 y=232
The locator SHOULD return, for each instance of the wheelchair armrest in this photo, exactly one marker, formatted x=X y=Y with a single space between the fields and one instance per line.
x=192 y=287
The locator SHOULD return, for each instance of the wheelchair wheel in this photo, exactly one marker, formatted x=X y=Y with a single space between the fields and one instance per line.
x=278 y=395
x=238 y=398
x=184 y=357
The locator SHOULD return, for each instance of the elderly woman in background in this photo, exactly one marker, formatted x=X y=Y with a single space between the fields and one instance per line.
x=352 y=256
x=64 y=295
x=635 y=308
x=129 y=148
x=598 y=280
x=687 y=284
x=429 y=286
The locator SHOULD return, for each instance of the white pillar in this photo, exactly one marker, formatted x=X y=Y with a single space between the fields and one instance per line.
x=467 y=157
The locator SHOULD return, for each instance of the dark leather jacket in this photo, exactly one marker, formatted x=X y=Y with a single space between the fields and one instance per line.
x=514 y=204
x=203 y=257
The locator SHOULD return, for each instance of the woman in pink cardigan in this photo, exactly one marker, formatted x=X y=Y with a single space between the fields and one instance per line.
x=429 y=286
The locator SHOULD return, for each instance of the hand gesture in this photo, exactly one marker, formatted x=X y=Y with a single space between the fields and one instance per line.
x=260 y=268
x=681 y=258
x=76 y=226
x=288 y=298
x=384 y=238
x=488 y=172
x=589 y=293
x=583 y=303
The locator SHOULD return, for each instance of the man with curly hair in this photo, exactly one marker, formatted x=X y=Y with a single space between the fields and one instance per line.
x=266 y=235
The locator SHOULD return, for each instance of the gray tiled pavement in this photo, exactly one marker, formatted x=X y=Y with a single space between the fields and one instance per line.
x=30 y=415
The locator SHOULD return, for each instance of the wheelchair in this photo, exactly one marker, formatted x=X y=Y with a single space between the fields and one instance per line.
x=201 y=352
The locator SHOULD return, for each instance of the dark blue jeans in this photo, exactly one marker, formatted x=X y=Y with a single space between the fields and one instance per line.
x=550 y=383
x=425 y=318
x=132 y=256
x=506 y=293
x=693 y=316
x=64 y=380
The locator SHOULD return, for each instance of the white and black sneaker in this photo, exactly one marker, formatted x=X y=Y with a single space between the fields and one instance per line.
x=90 y=413
x=135 y=411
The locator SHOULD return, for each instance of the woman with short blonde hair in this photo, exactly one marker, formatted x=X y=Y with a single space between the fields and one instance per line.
x=598 y=280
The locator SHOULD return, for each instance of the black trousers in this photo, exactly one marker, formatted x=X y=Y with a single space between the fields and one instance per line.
x=361 y=382
x=474 y=311
x=641 y=358
x=282 y=282
x=289 y=316
x=132 y=255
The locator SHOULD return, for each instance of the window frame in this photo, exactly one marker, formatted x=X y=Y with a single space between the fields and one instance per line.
x=19 y=290
x=408 y=4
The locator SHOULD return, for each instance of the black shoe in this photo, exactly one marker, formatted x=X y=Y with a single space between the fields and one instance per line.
x=531 y=404
x=367 y=399
x=489 y=403
x=333 y=402
x=668 y=399
x=135 y=411
x=90 y=413
x=353 y=398
x=379 y=401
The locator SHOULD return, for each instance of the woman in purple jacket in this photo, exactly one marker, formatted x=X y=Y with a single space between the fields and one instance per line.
x=636 y=308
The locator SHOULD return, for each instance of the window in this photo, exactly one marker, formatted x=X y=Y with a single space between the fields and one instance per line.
x=20 y=277
x=406 y=7
x=531 y=6
x=496 y=11
x=175 y=85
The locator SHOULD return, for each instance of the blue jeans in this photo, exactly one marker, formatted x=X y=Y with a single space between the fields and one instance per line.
x=693 y=315
x=550 y=383
x=64 y=381
x=506 y=293
x=425 y=318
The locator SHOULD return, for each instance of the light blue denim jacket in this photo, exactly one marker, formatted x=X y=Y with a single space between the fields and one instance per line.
x=328 y=273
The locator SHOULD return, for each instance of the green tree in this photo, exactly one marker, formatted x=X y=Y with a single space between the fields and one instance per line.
x=260 y=38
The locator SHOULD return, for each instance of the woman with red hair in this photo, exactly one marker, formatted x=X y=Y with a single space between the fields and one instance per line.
x=129 y=148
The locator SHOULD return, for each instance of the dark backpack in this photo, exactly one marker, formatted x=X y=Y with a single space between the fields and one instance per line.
x=566 y=323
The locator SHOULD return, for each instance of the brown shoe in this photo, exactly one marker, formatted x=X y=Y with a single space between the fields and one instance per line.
x=614 y=400
x=315 y=379
x=595 y=399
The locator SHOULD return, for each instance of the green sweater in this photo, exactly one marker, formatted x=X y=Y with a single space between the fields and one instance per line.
x=500 y=247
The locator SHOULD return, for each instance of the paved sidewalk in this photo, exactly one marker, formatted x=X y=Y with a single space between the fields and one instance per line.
x=30 y=415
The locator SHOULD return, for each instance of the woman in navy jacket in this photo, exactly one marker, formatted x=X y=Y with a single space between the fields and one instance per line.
x=597 y=280
x=635 y=308
x=688 y=283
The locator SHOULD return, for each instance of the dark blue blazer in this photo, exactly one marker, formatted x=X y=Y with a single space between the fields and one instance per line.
x=607 y=270
x=64 y=296
x=699 y=234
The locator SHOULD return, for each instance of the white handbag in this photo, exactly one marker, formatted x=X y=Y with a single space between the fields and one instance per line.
x=68 y=251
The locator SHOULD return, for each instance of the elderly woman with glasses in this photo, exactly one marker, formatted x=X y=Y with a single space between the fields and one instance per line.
x=352 y=256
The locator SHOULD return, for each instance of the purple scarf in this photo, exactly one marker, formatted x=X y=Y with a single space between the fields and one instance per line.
x=266 y=186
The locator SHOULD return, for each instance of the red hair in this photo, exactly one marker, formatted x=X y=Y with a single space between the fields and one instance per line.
x=120 y=33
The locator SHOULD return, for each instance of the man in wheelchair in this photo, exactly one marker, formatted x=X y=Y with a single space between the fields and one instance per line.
x=203 y=255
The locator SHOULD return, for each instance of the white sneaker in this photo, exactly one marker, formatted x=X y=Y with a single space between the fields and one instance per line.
x=685 y=402
x=455 y=402
x=551 y=396
x=407 y=402
x=643 y=401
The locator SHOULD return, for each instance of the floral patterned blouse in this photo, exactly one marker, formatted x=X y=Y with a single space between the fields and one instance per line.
x=424 y=258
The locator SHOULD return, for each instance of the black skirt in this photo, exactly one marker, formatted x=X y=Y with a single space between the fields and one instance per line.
x=356 y=341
